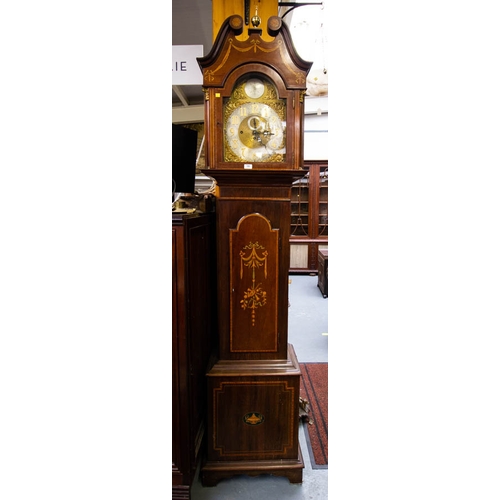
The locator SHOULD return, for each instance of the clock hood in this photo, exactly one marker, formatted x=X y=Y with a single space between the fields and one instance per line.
x=228 y=53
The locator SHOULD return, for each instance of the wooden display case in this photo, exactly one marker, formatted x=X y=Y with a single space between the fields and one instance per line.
x=309 y=222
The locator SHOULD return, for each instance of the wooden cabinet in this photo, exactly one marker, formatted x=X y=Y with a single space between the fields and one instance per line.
x=309 y=223
x=193 y=317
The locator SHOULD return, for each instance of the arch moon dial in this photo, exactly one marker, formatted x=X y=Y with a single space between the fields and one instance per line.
x=254 y=88
x=254 y=132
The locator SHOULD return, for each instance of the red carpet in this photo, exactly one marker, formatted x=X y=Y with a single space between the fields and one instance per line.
x=314 y=388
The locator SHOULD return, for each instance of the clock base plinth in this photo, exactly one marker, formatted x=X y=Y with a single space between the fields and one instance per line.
x=214 y=472
x=253 y=419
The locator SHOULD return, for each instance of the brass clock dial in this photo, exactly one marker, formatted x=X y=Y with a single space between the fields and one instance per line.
x=254 y=132
x=254 y=124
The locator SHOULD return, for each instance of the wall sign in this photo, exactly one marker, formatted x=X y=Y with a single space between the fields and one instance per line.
x=185 y=68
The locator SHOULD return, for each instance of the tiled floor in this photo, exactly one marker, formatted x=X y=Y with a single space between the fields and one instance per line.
x=307 y=329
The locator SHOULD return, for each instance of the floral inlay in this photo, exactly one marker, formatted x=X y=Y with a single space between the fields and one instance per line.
x=255 y=296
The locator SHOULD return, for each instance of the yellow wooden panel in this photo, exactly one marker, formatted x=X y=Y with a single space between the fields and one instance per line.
x=299 y=256
x=222 y=9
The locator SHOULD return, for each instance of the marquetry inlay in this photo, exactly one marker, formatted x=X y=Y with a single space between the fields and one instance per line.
x=254 y=297
x=253 y=418
x=253 y=285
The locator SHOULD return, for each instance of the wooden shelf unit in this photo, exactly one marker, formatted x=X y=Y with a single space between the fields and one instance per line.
x=309 y=220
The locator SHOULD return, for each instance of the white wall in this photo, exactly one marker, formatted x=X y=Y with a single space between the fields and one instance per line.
x=316 y=144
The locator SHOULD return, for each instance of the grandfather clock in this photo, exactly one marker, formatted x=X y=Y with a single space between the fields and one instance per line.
x=254 y=107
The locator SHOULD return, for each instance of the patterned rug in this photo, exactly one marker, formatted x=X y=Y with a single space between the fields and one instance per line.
x=314 y=388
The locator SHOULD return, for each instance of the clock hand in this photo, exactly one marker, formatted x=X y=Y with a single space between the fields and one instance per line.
x=255 y=123
x=256 y=135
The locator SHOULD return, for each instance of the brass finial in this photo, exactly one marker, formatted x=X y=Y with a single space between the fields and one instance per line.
x=256 y=18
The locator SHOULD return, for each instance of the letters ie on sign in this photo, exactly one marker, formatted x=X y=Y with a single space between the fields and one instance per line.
x=185 y=68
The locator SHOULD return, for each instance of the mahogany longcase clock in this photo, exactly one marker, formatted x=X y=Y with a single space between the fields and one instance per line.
x=254 y=109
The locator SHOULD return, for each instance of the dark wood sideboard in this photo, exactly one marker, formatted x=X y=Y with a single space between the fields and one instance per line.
x=323 y=271
x=193 y=319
